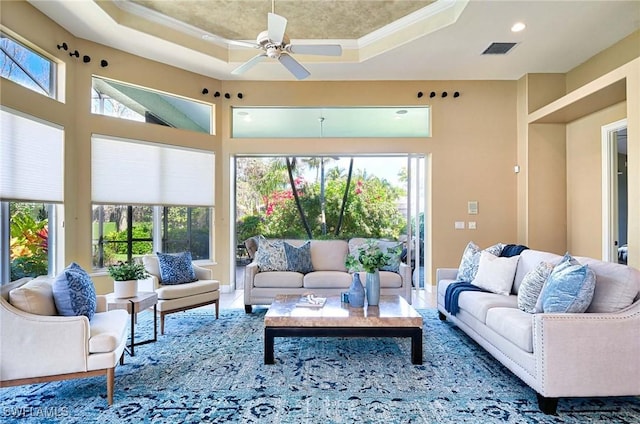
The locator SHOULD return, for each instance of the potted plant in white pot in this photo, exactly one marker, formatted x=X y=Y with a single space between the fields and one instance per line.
x=125 y=278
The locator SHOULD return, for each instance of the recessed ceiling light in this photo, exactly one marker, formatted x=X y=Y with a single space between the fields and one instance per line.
x=518 y=26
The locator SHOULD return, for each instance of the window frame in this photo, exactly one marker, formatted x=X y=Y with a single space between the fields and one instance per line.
x=54 y=83
x=158 y=237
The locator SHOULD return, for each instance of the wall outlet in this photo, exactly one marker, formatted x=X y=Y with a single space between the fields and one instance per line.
x=459 y=225
x=472 y=225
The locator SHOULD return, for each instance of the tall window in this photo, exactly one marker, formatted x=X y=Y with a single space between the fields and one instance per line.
x=24 y=66
x=31 y=176
x=159 y=199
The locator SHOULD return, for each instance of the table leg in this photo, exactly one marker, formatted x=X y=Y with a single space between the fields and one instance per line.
x=133 y=320
x=155 y=322
x=268 y=347
x=416 y=347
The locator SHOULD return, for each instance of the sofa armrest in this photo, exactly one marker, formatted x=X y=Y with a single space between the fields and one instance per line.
x=588 y=354
x=38 y=345
x=446 y=274
x=250 y=272
x=203 y=273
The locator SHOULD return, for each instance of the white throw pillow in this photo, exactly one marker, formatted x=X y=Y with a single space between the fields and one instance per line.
x=496 y=274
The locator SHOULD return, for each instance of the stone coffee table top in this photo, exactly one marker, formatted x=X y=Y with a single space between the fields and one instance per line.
x=393 y=311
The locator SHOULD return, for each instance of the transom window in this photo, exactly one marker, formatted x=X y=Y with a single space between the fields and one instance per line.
x=24 y=66
x=126 y=101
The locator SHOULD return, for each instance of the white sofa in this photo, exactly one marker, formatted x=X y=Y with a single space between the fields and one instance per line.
x=329 y=276
x=589 y=354
x=37 y=348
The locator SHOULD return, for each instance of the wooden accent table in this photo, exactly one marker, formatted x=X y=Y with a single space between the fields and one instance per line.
x=134 y=305
x=393 y=317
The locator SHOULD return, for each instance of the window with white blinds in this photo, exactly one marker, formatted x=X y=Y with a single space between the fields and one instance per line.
x=140 y=173
x=31 y=158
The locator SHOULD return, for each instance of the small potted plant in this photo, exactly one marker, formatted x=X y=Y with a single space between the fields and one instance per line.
x=125 y=278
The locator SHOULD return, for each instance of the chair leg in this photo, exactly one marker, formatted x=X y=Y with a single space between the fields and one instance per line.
x=110 y=383
x=162 y=323
x=216 y=304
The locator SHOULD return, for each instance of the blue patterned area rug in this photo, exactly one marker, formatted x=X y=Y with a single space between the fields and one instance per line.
x=207 y=370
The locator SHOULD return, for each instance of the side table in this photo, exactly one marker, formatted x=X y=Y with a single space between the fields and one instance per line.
x=134 y=305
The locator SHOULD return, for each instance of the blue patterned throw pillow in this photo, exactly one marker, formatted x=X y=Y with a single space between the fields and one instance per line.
x=471 y=260
x=298 y=258
x=176 y=268
x=394 y=250
x=74 y=293
x=271 y=256
x=569 y=288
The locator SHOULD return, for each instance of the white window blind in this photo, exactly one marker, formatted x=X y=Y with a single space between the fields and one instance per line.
x=133 y=172
x=31 y=158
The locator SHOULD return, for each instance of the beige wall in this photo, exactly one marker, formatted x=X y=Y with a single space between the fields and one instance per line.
x=477 y=139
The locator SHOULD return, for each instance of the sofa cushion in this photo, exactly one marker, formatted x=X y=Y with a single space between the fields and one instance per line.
x=531 y=287
x=616 y=285
x=176 y=268
x=569 y=289
x=271 y=256
x=496 y=273
x=298 y=257
x=388 y=279
x=35 y=297
x=327 y=280
x=177 y=291
x=471 y=259
x=529 y=259
x=514 y=325
x=74 y=293
x=107 y=330
x=278 y=279
x=478 y=303
x=329 y=255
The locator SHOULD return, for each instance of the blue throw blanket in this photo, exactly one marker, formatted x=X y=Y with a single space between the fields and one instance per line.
x=453 y=293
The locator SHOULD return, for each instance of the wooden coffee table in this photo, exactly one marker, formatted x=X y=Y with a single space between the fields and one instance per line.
x=393 y=317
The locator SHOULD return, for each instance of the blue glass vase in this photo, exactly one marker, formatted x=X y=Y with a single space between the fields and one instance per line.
x=356 y=292
x=373 y=288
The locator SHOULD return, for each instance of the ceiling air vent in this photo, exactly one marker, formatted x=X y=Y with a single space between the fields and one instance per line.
x=499 y=48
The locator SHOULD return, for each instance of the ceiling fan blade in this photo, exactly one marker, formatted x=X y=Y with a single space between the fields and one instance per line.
x=276 y=26
x=319 y=49
x=249 y=64
x=243 y=43
x=293 y=66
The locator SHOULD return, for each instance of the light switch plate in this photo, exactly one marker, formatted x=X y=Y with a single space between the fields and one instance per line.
x=459 y=225
x=472 y=207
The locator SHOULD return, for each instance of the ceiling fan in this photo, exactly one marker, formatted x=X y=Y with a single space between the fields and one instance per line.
x=275 y=44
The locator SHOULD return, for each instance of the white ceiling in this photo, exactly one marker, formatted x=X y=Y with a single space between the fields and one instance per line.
x=560 y=35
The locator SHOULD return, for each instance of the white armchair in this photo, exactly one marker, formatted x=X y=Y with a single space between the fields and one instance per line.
x=40 y=348
x=180 y=297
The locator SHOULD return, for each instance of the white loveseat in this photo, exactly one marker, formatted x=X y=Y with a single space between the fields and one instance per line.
x=37 y=346
x=329 y=276
x=589 y=354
